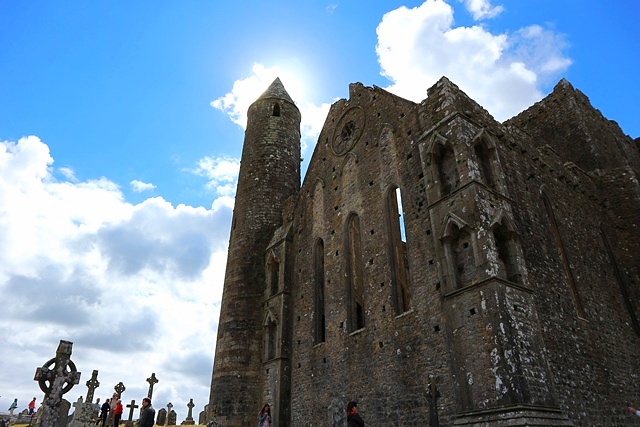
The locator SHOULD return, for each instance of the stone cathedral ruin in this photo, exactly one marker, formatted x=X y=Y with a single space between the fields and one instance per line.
x=435 y=265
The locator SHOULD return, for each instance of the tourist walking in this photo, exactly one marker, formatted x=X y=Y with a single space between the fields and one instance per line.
x=353 y=418
x=104 y=412
x=13 y=406
x=264 y=417
x=117 y=413
x=32 y=406
x=147 y=414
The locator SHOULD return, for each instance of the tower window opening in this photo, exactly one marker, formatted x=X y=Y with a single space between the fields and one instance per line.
x=276 y=110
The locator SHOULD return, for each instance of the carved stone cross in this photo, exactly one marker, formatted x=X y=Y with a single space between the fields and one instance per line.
x=119 y=388
x=189 y=419
x=152 y=380
x=92 y=385
x=56 y=377
x=132 y=406
x=169 y=407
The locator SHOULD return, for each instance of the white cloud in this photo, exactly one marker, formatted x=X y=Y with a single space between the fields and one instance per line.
x=500 y=71
x=120 y=281
x=482 y=9
x=221 y=172
x=139 y=186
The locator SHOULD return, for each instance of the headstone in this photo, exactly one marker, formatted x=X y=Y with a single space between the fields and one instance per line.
x=202 y=417
x=55 y=378
x=63 y=418
x=189 y=420
x=84 y=414
x=92 y=385
x=152 y=380
x=169 y=408
x=337 y=414
x=171 y=418
x=132 y=406
x=162 y=417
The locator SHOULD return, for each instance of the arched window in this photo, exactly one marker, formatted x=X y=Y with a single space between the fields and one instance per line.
x=506 y=245
x=319 y=330
x=355 y=286
x=271 y=339
x=273 y=268
x=276 y=110
x=484 y=160
x=397 y=248
x=447 y=170
x=463 y=256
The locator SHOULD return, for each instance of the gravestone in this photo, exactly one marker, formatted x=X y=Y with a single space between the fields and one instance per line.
x=152 y=380
x=337 y=414
x=84 y=414
x=189 y=420
x=92 y=385
x=162 y=417
x=169 y=408
x=132 y=406
x=171 y=418
x=201 y=417
x=55 y=378
x=63 y=418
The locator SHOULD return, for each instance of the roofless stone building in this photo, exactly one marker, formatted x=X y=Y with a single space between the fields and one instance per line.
x=435 y=265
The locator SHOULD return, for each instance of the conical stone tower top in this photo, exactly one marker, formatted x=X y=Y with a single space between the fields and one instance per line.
x=276 y=90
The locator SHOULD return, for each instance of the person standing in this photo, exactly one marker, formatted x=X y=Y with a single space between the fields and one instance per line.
x=147 y=414
x=353 y=418
x=264 y=417
x=104 y=412
x=117 y=413
x=13 y=406
x=32 y=406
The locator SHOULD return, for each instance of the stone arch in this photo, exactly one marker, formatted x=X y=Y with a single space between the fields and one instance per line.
x=354 y=273
x=273 y=273
x=397 y=249
x=270 y=326
x=441 y=167
x=505 y=238
x=484 y=149
x=459 y=244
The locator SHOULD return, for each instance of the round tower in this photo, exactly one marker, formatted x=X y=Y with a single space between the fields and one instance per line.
x=269 y=174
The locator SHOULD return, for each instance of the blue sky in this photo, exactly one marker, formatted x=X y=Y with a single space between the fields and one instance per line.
x=121 y=126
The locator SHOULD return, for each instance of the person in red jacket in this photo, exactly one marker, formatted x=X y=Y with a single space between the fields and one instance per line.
x=117 y=413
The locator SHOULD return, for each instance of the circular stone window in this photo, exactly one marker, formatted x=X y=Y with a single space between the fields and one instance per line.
x=348 y=131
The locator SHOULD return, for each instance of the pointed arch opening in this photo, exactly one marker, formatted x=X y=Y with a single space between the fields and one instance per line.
x=397 y=249
x=276 y=110
x=459 y=249
x=447 y=169
x=319 y=330
x=505 y=239
x=354 y=279
x=270 y=337
x=273 y=269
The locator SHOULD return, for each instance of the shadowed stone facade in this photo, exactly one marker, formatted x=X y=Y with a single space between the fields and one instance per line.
x=435 y=266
